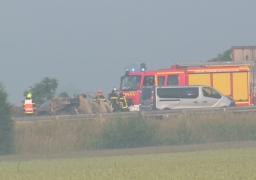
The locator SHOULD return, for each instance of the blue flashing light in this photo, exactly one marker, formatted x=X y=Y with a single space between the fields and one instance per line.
x=142 y=69
x=133 y=69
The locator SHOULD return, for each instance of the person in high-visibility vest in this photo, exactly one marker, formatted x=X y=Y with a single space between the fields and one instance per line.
x=29 y=106
x=114 y=97
x=118 y=100
x=123 y=101
x=99 y=97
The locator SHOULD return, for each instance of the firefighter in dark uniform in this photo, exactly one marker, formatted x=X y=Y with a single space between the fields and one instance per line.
x=118 y=101
x=123 y=102
x=114 y=97
x=99 y=97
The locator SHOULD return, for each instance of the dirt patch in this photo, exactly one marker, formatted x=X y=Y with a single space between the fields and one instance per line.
x=133 y=151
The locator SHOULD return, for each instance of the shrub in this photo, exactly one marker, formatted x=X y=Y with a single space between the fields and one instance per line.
x=127 y=132
x=208 y=128
x=17 y=111
x=253 y=132
x=6 y=124
x=183 y=133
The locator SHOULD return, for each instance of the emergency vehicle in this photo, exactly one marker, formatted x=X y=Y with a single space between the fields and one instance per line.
x=234 y=79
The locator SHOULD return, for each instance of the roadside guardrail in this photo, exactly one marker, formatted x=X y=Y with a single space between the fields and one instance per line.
x=163 y=113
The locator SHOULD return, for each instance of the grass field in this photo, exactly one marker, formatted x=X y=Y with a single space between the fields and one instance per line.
x=212 y=164
x=80 y=135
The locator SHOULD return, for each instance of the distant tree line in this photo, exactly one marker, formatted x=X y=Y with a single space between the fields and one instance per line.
x=44 y=90
x=225 y=56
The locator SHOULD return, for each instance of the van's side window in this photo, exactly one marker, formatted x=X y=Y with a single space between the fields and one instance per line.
x=160 y=80
x=211 y=93
x=191 y=92
x=173 y=80
x=168 y=92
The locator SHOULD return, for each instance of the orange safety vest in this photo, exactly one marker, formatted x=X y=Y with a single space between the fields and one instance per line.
x=28 y=106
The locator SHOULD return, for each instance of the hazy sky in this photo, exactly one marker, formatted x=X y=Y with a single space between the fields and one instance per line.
x=87 y=45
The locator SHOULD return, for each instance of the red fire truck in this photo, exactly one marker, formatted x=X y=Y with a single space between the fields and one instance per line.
x=233 y=79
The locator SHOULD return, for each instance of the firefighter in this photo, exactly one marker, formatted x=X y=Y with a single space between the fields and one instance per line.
x=114 y=100
x=29 y=106
x=149 y=81
x=118 y=100
x=99 y=97
x=123 y=102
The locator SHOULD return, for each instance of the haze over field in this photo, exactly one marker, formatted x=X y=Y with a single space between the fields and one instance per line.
x=87 y=45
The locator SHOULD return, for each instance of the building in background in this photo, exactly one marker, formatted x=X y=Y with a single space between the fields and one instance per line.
x=244 y=53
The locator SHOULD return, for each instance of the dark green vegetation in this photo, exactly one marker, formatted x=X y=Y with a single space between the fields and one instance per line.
x=6 y=124
x=225 y=56
x=63 y=94
x=44 y=90
x=127 y=133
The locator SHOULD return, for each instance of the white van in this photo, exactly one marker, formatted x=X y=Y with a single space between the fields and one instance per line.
x=180 y=97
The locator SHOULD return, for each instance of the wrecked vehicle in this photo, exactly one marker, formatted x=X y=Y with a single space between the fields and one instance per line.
x=81 y=104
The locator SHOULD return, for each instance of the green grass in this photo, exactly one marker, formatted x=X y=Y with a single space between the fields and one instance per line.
x=222 y=164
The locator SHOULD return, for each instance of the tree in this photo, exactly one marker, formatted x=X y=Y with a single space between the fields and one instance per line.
x=44 y=90
x=6 y=124
x=225 y=56
x=63 y=94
